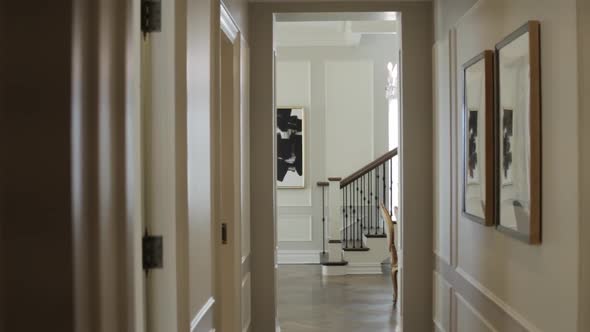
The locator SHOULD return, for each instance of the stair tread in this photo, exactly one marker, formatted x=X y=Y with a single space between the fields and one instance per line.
x=375 y=236
x=356 y=249
x=335 y=263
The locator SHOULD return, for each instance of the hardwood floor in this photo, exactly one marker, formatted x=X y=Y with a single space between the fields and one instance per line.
x=309 y=302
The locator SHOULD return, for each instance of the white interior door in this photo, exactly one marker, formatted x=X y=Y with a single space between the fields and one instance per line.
x=165 y=174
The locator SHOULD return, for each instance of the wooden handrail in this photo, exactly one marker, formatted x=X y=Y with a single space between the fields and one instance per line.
x=369 y=167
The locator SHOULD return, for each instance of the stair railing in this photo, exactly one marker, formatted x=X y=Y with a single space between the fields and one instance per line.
x=362 y=192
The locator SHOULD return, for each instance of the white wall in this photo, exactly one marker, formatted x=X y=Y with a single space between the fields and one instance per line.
x=497 y=282
x=346 y=114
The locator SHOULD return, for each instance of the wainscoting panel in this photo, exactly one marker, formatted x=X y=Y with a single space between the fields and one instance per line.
x=442 y=303
x=495 y=314
x=469 y=319
x=295 y=228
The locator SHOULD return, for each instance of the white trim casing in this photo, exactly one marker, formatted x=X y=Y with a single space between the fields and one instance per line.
x=228 y=25
x=202 y=313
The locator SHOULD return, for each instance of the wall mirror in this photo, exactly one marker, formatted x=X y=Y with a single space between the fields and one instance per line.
x=518 y=134
x=478 y=138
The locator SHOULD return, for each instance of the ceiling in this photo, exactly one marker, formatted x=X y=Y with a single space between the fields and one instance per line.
x=329 y=32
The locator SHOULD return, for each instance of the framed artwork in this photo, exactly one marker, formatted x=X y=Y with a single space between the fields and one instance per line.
x=478 y=138
x=518 y=134
x=290 y=147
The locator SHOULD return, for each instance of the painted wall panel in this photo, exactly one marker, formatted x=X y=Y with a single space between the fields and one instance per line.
x=349 y=109
x=294 y=228
x=442 y=303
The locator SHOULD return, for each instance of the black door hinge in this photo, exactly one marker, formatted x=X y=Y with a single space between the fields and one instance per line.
x=153 y=252
x=151 y=16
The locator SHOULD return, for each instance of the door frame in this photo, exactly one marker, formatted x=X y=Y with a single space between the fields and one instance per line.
x=415 y=155
x=228 y=256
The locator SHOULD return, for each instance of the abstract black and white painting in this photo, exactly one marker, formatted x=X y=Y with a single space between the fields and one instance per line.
x=290 y=149
x=472 y=147
x=507 y=142
x=478 y=107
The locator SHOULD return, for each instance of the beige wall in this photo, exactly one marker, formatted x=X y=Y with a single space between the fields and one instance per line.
x=584 y=148
x=35 y=187
x=486 y=280
x=415 y=161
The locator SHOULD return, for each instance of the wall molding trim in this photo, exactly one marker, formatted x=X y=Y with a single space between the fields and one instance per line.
x=202 y=313
x=499 y=302
x=228 y=24
x=474 y=311
x=298 y=257
x=469 y=289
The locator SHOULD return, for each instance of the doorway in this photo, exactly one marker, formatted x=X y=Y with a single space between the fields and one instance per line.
x=335 y=96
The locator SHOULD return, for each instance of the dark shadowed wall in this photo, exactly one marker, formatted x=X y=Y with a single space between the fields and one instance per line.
x=35 y=213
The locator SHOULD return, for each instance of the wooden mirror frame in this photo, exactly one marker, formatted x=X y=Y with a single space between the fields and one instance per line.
x=489 y=209
x=534 y=30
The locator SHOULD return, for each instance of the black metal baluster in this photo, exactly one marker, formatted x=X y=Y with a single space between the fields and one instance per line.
x=377 y=201
x=371 y=202
x=323 y=220
x=360 y=224
x=363 y=202
x=353 y=215
x=348 y=214
x=365 y=190
x=343 y=234
x=391 y=187
x=384 y=196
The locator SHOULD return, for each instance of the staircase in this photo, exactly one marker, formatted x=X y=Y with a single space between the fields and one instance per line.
x=356 y=233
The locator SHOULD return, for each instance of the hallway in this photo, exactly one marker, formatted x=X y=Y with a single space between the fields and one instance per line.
x=309 y=302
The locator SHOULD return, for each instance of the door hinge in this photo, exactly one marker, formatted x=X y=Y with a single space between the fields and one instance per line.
x=151 y=16
x=153 y=252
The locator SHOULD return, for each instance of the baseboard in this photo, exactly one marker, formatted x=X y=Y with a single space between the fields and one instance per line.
x=364 y=268
x=298 y=257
